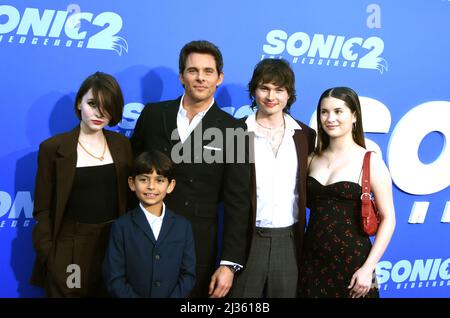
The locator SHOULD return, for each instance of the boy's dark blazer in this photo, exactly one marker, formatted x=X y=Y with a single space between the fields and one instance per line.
x=57 y=160
x=138 y=265
x=202 y=186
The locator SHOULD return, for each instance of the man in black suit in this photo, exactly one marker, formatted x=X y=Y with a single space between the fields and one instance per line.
x=210 y=166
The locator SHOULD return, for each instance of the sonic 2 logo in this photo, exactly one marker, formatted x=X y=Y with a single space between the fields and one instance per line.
x=20 y=209
x=414 y=273
x=47 y=27
x=329 y=50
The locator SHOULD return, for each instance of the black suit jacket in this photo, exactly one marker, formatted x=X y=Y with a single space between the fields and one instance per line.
x=202 y=186
x=57 y=161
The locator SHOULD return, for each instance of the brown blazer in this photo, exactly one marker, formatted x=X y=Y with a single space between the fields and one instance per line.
x=57 y=161
x=304 y=140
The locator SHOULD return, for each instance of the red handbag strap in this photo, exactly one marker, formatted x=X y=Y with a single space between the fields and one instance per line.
x=365 y=182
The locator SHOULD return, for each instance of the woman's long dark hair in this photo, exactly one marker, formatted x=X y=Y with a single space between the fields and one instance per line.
x=351 y=99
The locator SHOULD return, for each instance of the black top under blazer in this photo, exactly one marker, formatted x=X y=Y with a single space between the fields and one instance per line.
x=57 y=160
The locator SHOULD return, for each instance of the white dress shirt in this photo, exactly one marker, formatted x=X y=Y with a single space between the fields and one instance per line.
x=154 y=221
x=184 y=126
x=276 y=176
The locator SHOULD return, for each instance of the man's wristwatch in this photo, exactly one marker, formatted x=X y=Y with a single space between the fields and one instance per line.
x=233 y=268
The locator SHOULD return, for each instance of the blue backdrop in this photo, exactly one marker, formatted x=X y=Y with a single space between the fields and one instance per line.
x=395 y=54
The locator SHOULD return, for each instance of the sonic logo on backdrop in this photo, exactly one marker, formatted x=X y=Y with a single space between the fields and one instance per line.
x=326 y=50
x=15 y=211
x=409 y=274
x=57 y=28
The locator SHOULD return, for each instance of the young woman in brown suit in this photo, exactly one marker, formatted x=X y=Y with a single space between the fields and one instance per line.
x=81 y=187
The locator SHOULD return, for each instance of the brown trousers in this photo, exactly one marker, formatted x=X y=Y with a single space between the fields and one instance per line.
x=83 y=245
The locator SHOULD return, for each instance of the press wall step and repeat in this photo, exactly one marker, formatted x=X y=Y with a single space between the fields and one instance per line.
x=394 y=54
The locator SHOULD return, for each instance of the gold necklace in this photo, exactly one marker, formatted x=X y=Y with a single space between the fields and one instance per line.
x=102 y=157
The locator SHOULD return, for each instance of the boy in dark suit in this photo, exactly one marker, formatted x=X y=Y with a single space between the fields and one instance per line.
x=151 y=252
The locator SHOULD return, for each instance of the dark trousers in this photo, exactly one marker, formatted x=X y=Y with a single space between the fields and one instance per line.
x=83 y=245
x=203 y=278
x=271 y=269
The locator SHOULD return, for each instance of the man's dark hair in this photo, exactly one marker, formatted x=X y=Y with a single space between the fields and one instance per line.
x=203 y=47
x=273 y=71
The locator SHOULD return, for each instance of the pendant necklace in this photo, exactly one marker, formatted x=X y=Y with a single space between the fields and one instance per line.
x=102 y=157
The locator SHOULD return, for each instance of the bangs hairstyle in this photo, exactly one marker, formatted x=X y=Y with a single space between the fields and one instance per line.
x=202 y=47
x=273 y=71
x=107 y=94
x=150 y=161
x=351 y=99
